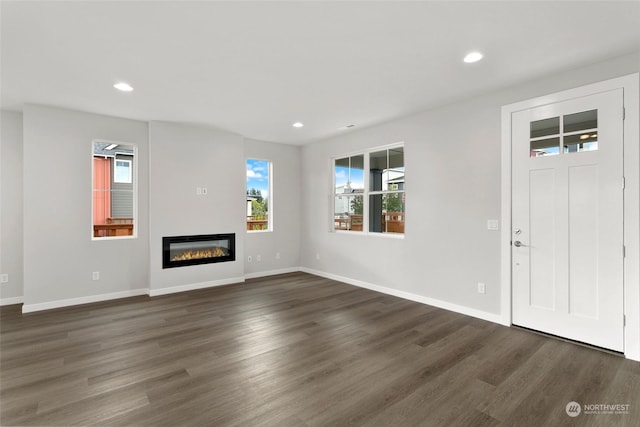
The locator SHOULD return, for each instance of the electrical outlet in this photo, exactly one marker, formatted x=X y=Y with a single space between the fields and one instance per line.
x=481 y=288
x=258 y=258
x=249 y=258
x=277 y=255
x=4 y=278
x=96 y=275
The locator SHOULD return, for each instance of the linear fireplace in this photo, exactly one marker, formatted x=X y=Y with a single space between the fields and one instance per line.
x=180 y=251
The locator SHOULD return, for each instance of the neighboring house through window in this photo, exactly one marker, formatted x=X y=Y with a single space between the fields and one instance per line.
x=114 y=190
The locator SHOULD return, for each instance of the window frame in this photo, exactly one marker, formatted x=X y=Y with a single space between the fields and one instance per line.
x=270 y=206
x=134 y=177
x=366 y=193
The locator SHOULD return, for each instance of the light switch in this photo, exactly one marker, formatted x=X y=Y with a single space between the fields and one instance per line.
x=492 y=224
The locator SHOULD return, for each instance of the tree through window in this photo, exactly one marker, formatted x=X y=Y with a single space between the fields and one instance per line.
x=258 y=192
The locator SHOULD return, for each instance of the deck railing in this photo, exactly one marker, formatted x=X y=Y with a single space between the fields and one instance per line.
x=257 y=222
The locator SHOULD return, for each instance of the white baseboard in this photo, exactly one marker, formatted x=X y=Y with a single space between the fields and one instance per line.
x=30 y=308
x=490 y=317
x=11 y=301
x=194 y=286
x=272 y=272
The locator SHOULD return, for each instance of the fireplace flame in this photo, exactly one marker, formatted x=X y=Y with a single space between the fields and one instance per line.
x=199 y=254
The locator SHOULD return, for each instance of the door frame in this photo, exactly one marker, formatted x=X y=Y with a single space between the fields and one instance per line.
x=631 y=222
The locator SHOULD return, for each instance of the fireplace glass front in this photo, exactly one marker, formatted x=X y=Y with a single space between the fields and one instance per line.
x=179 y=251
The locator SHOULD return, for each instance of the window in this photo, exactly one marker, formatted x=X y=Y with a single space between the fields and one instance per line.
x=579 y=133
x=259 y=195
x=122 y=173
x=114 y=190
x=374 y=201
x=349 y=193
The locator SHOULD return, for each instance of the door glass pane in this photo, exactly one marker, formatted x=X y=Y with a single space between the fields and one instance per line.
x=545 y=147
x=581 y=142
x=580 y=121
x=545 y=127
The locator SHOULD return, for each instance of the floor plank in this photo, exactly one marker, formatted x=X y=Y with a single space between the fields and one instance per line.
x=295 y=350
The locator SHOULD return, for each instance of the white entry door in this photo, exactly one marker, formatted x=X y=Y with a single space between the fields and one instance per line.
x=567 y=216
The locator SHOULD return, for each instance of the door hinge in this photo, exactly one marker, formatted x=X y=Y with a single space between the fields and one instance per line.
x=624 y=251
x=623 y=182
x=624 y=113
x=624 y=320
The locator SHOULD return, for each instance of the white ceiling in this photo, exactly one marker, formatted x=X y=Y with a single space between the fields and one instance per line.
x=254 y=68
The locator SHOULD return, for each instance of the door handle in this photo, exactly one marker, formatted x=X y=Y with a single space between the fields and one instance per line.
x=518 y=243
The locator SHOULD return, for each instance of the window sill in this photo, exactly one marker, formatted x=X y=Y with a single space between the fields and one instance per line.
x=397 y=236
x=109 y=238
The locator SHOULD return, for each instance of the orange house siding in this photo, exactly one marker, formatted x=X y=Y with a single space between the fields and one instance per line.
x=101 y=190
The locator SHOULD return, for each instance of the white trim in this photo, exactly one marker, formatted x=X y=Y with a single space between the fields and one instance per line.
x=11 y=301
x=631 y=87
x=195 y=286
x=505 y=218
x=272 y=272
x=490 y=317
x=383 y=235
x=29 y=308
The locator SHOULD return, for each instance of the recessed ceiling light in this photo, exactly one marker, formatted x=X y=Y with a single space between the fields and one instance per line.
x=473 y=57
x=125 y=87
x=298 y=125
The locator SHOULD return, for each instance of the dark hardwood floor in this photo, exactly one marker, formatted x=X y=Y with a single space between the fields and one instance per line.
x=295 y=350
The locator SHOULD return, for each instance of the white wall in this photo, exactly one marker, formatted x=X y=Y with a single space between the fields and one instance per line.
x=59 y=254
x=453 y=187
x=285 y=205
x=182 y=159
x=11 y=209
